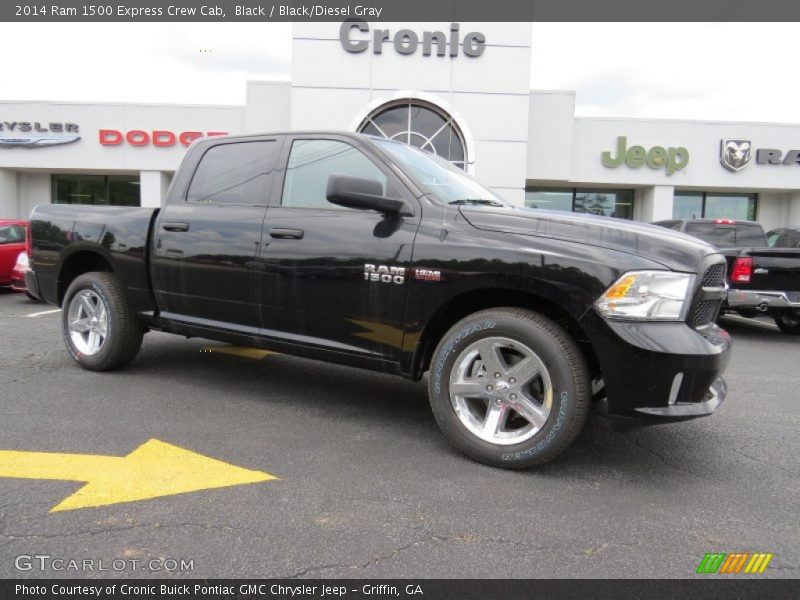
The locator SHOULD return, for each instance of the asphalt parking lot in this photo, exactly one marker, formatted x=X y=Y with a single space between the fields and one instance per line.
x=366 y=485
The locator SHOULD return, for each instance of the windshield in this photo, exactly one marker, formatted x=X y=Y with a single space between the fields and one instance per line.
x=444 y=180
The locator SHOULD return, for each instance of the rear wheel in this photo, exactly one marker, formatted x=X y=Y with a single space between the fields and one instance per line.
x=100 y=329
x=789 y=323
x=509 y=388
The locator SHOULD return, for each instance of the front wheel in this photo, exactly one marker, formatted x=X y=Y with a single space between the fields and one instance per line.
x=789 y=323
x=509 y=387
x=100 y=329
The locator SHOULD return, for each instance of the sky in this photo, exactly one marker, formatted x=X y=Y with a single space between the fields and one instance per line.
x=707 y=71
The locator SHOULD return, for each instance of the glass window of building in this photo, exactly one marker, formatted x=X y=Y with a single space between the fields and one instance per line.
x=113 y=190
x=687 y=205
x=712 y=205
x=549 y=199
x=609 y=203
x=418 y=124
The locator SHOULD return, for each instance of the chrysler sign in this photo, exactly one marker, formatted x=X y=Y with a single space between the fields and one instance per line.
x=36 y=134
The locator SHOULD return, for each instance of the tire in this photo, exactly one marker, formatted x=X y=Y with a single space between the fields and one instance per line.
x=118 y=333
x=789 y=323
x=553 y=390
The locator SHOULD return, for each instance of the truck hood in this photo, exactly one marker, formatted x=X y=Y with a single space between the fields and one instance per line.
x=674 y=250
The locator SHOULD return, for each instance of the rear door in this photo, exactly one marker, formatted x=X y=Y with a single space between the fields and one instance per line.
x=207 y=269
x=319 y=289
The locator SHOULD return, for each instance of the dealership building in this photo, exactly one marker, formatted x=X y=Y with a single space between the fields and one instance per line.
x=461 y=90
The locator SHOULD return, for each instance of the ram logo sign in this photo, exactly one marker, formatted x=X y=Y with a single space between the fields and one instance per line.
x=734 y=563
x=735 y=154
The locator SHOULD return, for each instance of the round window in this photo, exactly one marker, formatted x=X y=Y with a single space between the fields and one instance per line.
x=420 y=125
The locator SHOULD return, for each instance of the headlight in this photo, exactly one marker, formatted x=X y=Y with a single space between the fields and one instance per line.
x=647 y=296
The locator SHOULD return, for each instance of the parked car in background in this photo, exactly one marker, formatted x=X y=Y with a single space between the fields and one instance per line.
x=21 y=268
x=12 y=242
x=763 y=279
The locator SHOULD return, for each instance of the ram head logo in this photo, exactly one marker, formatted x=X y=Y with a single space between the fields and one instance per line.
x=735 y=154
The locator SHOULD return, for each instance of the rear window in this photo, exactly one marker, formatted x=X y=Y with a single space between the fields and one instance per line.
x=676 y=225
x=12 y=234
x=728 y=236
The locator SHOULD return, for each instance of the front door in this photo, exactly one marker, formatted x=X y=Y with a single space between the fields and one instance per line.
x=334 y=276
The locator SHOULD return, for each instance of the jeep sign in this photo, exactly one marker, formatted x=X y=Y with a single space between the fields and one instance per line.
x=658 y=157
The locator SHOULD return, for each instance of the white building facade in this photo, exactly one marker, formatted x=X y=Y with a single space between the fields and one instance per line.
x=461 y=90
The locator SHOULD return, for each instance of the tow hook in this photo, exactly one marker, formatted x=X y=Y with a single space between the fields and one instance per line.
x=763 y=307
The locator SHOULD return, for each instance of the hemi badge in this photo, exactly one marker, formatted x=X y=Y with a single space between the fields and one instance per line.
x=427 y=274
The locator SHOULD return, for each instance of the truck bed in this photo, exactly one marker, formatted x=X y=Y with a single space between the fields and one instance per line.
x=120 y=234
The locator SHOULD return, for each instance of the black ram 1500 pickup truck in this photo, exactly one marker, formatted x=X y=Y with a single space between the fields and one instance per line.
x=372 y=253
x=763 y=280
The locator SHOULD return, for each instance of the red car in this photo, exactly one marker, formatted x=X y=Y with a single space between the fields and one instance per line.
x=18 y=275
x=12 y=242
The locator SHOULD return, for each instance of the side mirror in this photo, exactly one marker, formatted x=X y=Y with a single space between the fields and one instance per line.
x=363 y=194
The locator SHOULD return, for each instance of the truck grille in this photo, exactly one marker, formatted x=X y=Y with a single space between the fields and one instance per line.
x=706 y=305
x=715 y=275
x=705 y=312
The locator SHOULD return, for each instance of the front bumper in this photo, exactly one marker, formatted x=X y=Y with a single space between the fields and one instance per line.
x=660 y=372
x=763 y=300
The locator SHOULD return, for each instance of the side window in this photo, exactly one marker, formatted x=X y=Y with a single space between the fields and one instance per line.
x=790 y=239
x=238 y=173
x=310 y=164
x=12 y=234
x=772 y=237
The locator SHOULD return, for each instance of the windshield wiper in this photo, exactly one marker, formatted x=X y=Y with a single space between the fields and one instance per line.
x=477 y=201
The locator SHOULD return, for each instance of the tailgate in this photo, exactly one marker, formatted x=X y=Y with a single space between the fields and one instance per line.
x=775 y=269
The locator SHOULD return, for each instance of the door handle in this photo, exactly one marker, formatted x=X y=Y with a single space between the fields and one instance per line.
x=286 y=234
x=175 y=226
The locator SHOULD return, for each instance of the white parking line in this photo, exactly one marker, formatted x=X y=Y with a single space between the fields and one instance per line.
x=44 y=312
x=754 y=321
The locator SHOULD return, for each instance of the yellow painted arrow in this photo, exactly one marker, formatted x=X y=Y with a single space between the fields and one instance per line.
x=154 y=469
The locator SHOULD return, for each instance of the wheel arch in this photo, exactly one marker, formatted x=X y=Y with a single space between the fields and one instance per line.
x=78 y=262
x=473 y=301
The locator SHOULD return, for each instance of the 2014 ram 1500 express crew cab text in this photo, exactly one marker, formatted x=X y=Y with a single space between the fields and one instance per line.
x=372 y=253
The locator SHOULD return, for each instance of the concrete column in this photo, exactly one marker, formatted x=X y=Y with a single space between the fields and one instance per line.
x=794 y=209
x=9 y=194
x=655 y=203
x=153 y=187
x=33 y=188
